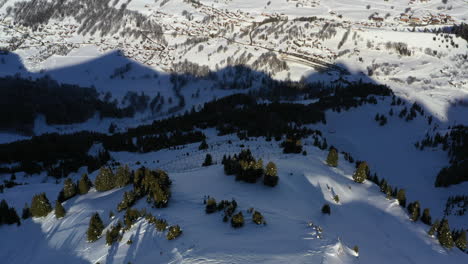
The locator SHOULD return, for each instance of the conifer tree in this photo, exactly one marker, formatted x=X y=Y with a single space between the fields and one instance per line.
x=460 y=241
x=426 y=217
x=113 y=235
x=237 y=220
x=211 y=206
x=257 y=218
x=388 y=192
x=26 y=212
x=69 y=189
x=3 y=212
x=59 y=210
x=401 y=197
x=84 y=184
x=414 y=211
x=434 y=228
x=13 y=217
x=40 y=205
x=123 y=176
x=208 y=160
x=361 y=173
x=445 y=235
x=271 y=175
x=129 y=199
x=203 y=145
x=326 y=209
x=8 y=214
x=173 y=232
x=332 y=158
x=130 y=217
x=95 y=228
x=104 y=180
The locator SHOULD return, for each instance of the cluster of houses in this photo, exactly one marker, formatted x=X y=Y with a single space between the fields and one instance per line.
x=426 y=19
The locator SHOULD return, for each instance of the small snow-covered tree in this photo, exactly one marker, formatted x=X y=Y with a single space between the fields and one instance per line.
x=123 y=176
x=210 y=206
x=257 y=218
x=26 y=212
x=460 y=241
x=326 y=209
x=360 y=175
x=59 y=210
x=105 y=180
x=208 y=160
x=414 y=211
x=332 y=158
x=271 y=175
x=84 y=184
x=237 y=220
x=426 y=217
x=445 y=235
x=173 y=232
x=40 y=205
x=401 y=197
x=203 y=145
x=69 y=189
x=95 y=228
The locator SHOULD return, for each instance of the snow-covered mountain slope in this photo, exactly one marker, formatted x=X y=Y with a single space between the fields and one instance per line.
x=393 y=42
x=363 y=217
x=185 y=53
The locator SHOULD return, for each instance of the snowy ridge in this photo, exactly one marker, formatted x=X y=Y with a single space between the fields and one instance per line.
x=363 y=217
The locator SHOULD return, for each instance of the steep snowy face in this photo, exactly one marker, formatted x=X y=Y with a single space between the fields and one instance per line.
x=362 y=227
x=394 y=42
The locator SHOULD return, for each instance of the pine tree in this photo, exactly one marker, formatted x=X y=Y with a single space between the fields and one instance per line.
x=95 y=228
x=326 y=209
x=59 y=210
x=434 y=228
x=401 y=197
x=383 y=185
x=271 y=175
x=445 y=235
x=208 y=160
x=129 y=199
x=13 y=217
x=40 y=205
x=203 y=145
x=104 y=180
x=237 y=220
x=460 y=241
x=130 y=217
x=332 y=158
x=113 y=235
x=426 y=217
x=123 y=176
x=361 y=173
x=69 y=189
x=26 y=212
x=173 y=232
x=211 y=206
x=8 y=214
x=84 y=184
x=3 y=212
x=388 y=192
x=414 y=211
x=257 y=218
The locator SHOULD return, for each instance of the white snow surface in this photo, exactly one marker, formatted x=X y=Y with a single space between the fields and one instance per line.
x=363 y=217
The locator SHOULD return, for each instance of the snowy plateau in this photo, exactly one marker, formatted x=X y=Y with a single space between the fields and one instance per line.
x=221 y=97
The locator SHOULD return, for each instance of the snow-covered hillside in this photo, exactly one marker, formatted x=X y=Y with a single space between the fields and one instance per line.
x=393 y=42
x=152 y=70
x=363 y=217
